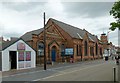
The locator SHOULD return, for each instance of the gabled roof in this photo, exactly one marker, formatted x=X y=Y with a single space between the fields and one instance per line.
x=6 y=44
x=28 y=36
x=74 y=31
x=71 y=30
x=91 y=36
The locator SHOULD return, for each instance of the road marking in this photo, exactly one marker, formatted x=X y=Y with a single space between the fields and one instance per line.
x=63 y=73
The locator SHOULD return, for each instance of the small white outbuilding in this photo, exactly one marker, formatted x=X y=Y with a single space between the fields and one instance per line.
x=17 y=54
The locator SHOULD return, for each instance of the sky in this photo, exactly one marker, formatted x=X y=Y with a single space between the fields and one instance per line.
x=20 y=16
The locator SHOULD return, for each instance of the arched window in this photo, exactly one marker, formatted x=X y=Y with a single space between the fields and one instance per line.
x=85 y=48
x=101 y=51
x=77 y=50
x=80 y=49
x=92 y=51
x=40 y=49
x=96 y=49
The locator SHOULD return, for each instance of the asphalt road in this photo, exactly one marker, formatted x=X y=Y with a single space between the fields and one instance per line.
x=97 y=70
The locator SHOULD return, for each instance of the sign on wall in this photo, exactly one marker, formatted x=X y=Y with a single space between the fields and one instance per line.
x=21 y=56
x=24 y=59
x=21 y=46
x=28 y=56
x=69 y=51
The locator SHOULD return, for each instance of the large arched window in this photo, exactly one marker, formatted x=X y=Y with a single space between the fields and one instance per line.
x=96 y=46
x=77 y=50
x=92 y=51
x=85 y=48
x=80 y=49
x=40 y=49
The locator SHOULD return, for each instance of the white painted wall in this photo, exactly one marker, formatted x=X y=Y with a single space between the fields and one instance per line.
x=5 y=56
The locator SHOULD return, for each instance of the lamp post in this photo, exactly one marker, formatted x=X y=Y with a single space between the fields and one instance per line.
x=108 y=42
x=44 y=45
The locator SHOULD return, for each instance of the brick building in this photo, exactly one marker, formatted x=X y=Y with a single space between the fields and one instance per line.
x=104 y=40
x=61 y=36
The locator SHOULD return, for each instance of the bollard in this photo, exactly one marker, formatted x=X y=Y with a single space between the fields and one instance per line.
x=114 y=74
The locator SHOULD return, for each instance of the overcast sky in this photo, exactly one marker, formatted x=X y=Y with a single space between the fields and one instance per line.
x=20 y=16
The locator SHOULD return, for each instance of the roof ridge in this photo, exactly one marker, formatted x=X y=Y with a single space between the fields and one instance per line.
x=28 y=35
x=76 y=29
x=33 y=30
x=65 y=23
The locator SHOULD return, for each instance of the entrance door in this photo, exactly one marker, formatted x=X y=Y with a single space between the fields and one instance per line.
x=53 y=53
x=13 y=59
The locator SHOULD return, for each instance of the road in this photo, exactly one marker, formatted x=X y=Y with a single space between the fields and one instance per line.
x=96 y=70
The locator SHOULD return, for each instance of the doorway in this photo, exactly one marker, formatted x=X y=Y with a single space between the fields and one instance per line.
x=53 y=53
x=13 y=59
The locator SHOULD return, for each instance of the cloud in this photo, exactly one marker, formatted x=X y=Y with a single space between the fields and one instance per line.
x=18 y=18
x=87 y=9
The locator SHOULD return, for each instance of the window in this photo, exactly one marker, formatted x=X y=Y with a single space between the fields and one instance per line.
x=28 y=56
x=85 y=48
x=91 y=51
x=80 y=50
x=40 y=49
x=21 y=56
x=96 y=49
x=77 y=50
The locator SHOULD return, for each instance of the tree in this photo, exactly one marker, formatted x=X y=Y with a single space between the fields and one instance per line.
x=115 y=12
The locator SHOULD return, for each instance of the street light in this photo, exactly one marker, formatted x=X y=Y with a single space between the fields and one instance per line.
x=44 y=45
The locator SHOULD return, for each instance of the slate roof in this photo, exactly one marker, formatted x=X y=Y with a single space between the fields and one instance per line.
x=92 y=37
x=6 y=44
x=74 y=32
x=28 y=36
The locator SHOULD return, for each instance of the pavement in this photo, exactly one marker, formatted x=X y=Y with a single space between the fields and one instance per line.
x=41 y=68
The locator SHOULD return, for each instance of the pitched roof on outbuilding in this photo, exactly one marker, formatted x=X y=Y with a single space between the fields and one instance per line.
x=28 y=36
x=6 y=44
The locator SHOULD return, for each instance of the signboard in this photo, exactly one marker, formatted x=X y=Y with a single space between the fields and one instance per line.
x=28 y=56
x=21 y=46
x=21 y=56
x=69 y=51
